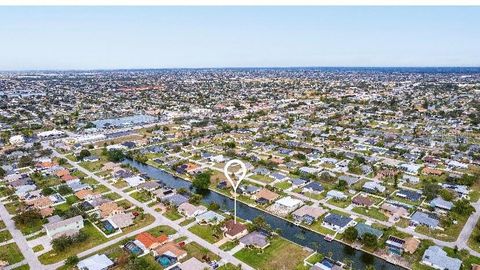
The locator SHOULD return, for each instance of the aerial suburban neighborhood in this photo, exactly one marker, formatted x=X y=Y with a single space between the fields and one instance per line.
x=363 y=169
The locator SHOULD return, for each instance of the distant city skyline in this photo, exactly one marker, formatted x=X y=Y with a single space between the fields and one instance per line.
x=87 y=38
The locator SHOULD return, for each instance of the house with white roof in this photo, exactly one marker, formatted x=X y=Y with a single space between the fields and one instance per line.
x=337 y=195
x=96 y=262
x=134 y=181
x=288 y=203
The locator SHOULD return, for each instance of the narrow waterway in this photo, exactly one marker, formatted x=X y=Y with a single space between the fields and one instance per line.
x=288 y=230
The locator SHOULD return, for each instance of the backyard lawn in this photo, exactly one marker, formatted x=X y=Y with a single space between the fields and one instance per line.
x=141 y=196
x=11 y=253
x=162 y=229
x=95 y=238
x=372 y=212
x=229 y=245
x=283 y=185
x=195 y=250
x=5 y=236
x=206 y=232
x=262 y=178
x=172 y=214
x=281 y=254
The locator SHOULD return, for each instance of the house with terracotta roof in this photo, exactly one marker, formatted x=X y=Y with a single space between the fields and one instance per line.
x=431 y=171
x=86 y=194
x=46 y=212
x=264 y=195
x=44 y=165
x=62 y=172
x=150 y=241
x=109 y=209
x=68 y=177
x=234 y=230
x=170 y=249
x=40 y=203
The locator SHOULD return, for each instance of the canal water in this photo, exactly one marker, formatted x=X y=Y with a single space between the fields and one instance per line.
x=288 y=230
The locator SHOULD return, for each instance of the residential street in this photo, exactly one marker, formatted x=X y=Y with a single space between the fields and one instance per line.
x=159 y=219
x=22 y=244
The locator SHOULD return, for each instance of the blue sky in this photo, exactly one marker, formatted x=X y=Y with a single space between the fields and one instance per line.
x=164 y=37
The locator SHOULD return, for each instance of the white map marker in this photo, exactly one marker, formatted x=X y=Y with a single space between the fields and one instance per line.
x=235 y=184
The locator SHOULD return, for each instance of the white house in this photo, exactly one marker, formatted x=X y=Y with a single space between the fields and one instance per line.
x=134 y=181
x=17 y=140
x=289 y=204
x=69 y=226
x=96 y=262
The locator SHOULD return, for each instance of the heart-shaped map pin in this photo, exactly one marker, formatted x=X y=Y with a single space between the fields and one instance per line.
x=240 y=175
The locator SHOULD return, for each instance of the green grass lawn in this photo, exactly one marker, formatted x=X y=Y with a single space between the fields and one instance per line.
x=229 y=245
x=172 y=214
x=120 y=184
x=38 y=248
x=449 y=233
x=283 y=185
x=281 y=254
x=2 y=224
x=196 y=250
x=141 y=196
x=317 y=226
x=372 y=212
x=90 y=181
x=92 y=166
x=72 y=199
x=22 y=267
x=112 y=196
x=229 y=266
x=340 y=203
x=262 y=178
x=162 y=229
x=317 y=257
x=186 y=222
x=5 y=236
x=101 y=189
x=11 y=253
x=125 y=204
x=79 y=174
x=95 y=238
x=64 y=207
x=13 y=208
x=206 y=232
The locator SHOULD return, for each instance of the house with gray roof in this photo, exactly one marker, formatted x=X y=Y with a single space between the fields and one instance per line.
x=210 y=217
x=437 y=258
x=363 y=229
x=351 y=180
x=256 y=239
x=336 y=222
x=441 y=204
x=175 y=199
x=373 y=187
x=421 y=218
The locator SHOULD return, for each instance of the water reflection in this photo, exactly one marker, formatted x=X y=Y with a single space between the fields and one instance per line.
x=301 y=236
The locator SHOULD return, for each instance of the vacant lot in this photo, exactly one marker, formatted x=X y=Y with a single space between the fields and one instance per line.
x=281 y=254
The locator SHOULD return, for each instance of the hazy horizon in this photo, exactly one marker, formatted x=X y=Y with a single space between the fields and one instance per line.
x=112 y=38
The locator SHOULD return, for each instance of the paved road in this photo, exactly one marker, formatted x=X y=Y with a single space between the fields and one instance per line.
x=27 y=252
x=461 y=241
x=159 y=219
